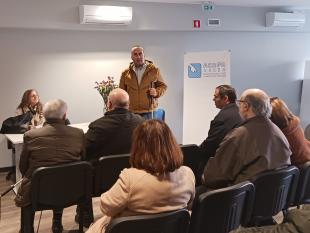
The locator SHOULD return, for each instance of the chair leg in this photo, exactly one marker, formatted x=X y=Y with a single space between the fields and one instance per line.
x=88 y=215
x=81 y=217
x=57 y=221
x=27 y=218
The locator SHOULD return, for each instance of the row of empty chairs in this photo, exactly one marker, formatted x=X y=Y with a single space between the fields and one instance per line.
x=221 y=210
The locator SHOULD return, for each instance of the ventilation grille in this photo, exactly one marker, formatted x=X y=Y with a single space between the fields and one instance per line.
x=214 y=22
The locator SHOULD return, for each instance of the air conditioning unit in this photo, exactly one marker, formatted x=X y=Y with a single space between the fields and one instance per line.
x=280 y=19
x=93 y=14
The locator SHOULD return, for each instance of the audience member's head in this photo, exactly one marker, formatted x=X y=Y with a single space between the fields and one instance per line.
x=280 y=115
x=55 y=109
x=254 y=102
x=137 y=55
x=223 y=95
x=154 y=148
x=118 y=98
x=30 y=99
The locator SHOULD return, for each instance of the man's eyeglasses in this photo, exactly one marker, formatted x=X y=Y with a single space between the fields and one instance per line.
x=238 y=102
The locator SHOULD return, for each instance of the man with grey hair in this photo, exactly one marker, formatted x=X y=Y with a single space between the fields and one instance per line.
x=256 y=146
x=55 y=143
x=55 y=109
x=111 y=134
x=143 y=82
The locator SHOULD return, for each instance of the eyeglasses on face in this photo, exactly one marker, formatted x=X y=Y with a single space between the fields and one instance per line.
x=240 y=101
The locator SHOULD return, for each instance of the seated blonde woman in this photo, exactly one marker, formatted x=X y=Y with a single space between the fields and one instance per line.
x=290 y=126
x=156 y=182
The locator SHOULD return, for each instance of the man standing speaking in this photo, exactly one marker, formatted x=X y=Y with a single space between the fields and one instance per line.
x=143 y=82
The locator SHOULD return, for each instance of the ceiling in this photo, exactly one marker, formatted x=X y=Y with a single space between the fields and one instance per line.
x=303 y=4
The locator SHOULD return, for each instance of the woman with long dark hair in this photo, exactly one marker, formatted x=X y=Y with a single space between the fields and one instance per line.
x=290 y=126
x=31 y=102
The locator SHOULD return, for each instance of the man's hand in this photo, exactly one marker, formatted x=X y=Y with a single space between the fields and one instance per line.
x=152 y=92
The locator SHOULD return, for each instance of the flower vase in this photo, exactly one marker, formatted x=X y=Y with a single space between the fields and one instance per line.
x=105 y=104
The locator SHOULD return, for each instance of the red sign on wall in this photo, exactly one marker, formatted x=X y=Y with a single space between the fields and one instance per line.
x=196 y=23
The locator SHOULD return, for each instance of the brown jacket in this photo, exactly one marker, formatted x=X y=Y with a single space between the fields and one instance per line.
x=53 y=144
x=257 y=145
x=300 y=146
x=140 y=102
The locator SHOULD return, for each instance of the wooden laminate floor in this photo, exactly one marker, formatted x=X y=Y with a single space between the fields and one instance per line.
x=10 y=214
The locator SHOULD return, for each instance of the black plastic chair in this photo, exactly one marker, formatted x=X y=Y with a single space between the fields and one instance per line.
x=107 y=171
x=192 y=159
x=222 y=210
x=302 y=195
x=61 y=186
x=169 y=222
x=274 y=191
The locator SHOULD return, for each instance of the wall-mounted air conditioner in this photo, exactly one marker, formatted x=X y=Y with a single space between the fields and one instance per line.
x=93 y=14
x=280 y=19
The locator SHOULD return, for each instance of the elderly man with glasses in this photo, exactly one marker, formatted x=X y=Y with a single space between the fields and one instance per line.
x=255 y=146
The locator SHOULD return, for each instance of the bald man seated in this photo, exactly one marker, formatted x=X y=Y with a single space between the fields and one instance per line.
x=111 y=134
x=255 y=146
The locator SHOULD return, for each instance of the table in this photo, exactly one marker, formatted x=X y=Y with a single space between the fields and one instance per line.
x=17 y=142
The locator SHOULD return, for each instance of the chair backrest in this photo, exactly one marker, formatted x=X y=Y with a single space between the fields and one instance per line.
x=307 y=132
x=159 y=114
x=107 y=171
x=61 y=186
x=222 y=210
x=302 y=195
x=192 y=159
x=274 y=191
x=170 y=222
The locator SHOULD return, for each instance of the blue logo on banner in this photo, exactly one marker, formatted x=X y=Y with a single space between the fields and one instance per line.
x=194 y=70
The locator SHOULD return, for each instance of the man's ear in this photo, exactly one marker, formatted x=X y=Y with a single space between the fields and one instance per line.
x=225 y=98
x=64 y=116
x=246 y=106
x=110 y=106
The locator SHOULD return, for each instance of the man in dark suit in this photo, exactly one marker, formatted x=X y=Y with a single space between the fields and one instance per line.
x=111 y=134
x=108 y=135
x=227 y=119
x=53 y=144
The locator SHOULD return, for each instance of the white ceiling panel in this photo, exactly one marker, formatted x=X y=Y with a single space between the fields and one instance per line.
x=303 y=4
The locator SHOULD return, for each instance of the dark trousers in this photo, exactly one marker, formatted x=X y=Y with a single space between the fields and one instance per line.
x=27 y=218
x=198 y=191
x=146 y=115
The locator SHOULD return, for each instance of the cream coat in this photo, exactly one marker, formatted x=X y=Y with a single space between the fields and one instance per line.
x=138 y=192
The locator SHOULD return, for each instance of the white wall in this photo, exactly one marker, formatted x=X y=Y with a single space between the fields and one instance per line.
x=65 y=63
x=305 y=96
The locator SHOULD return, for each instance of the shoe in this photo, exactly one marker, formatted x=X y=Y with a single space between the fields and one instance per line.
x=86 y=221
x=267 y=222
x=22 y=231
x=57 y=227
